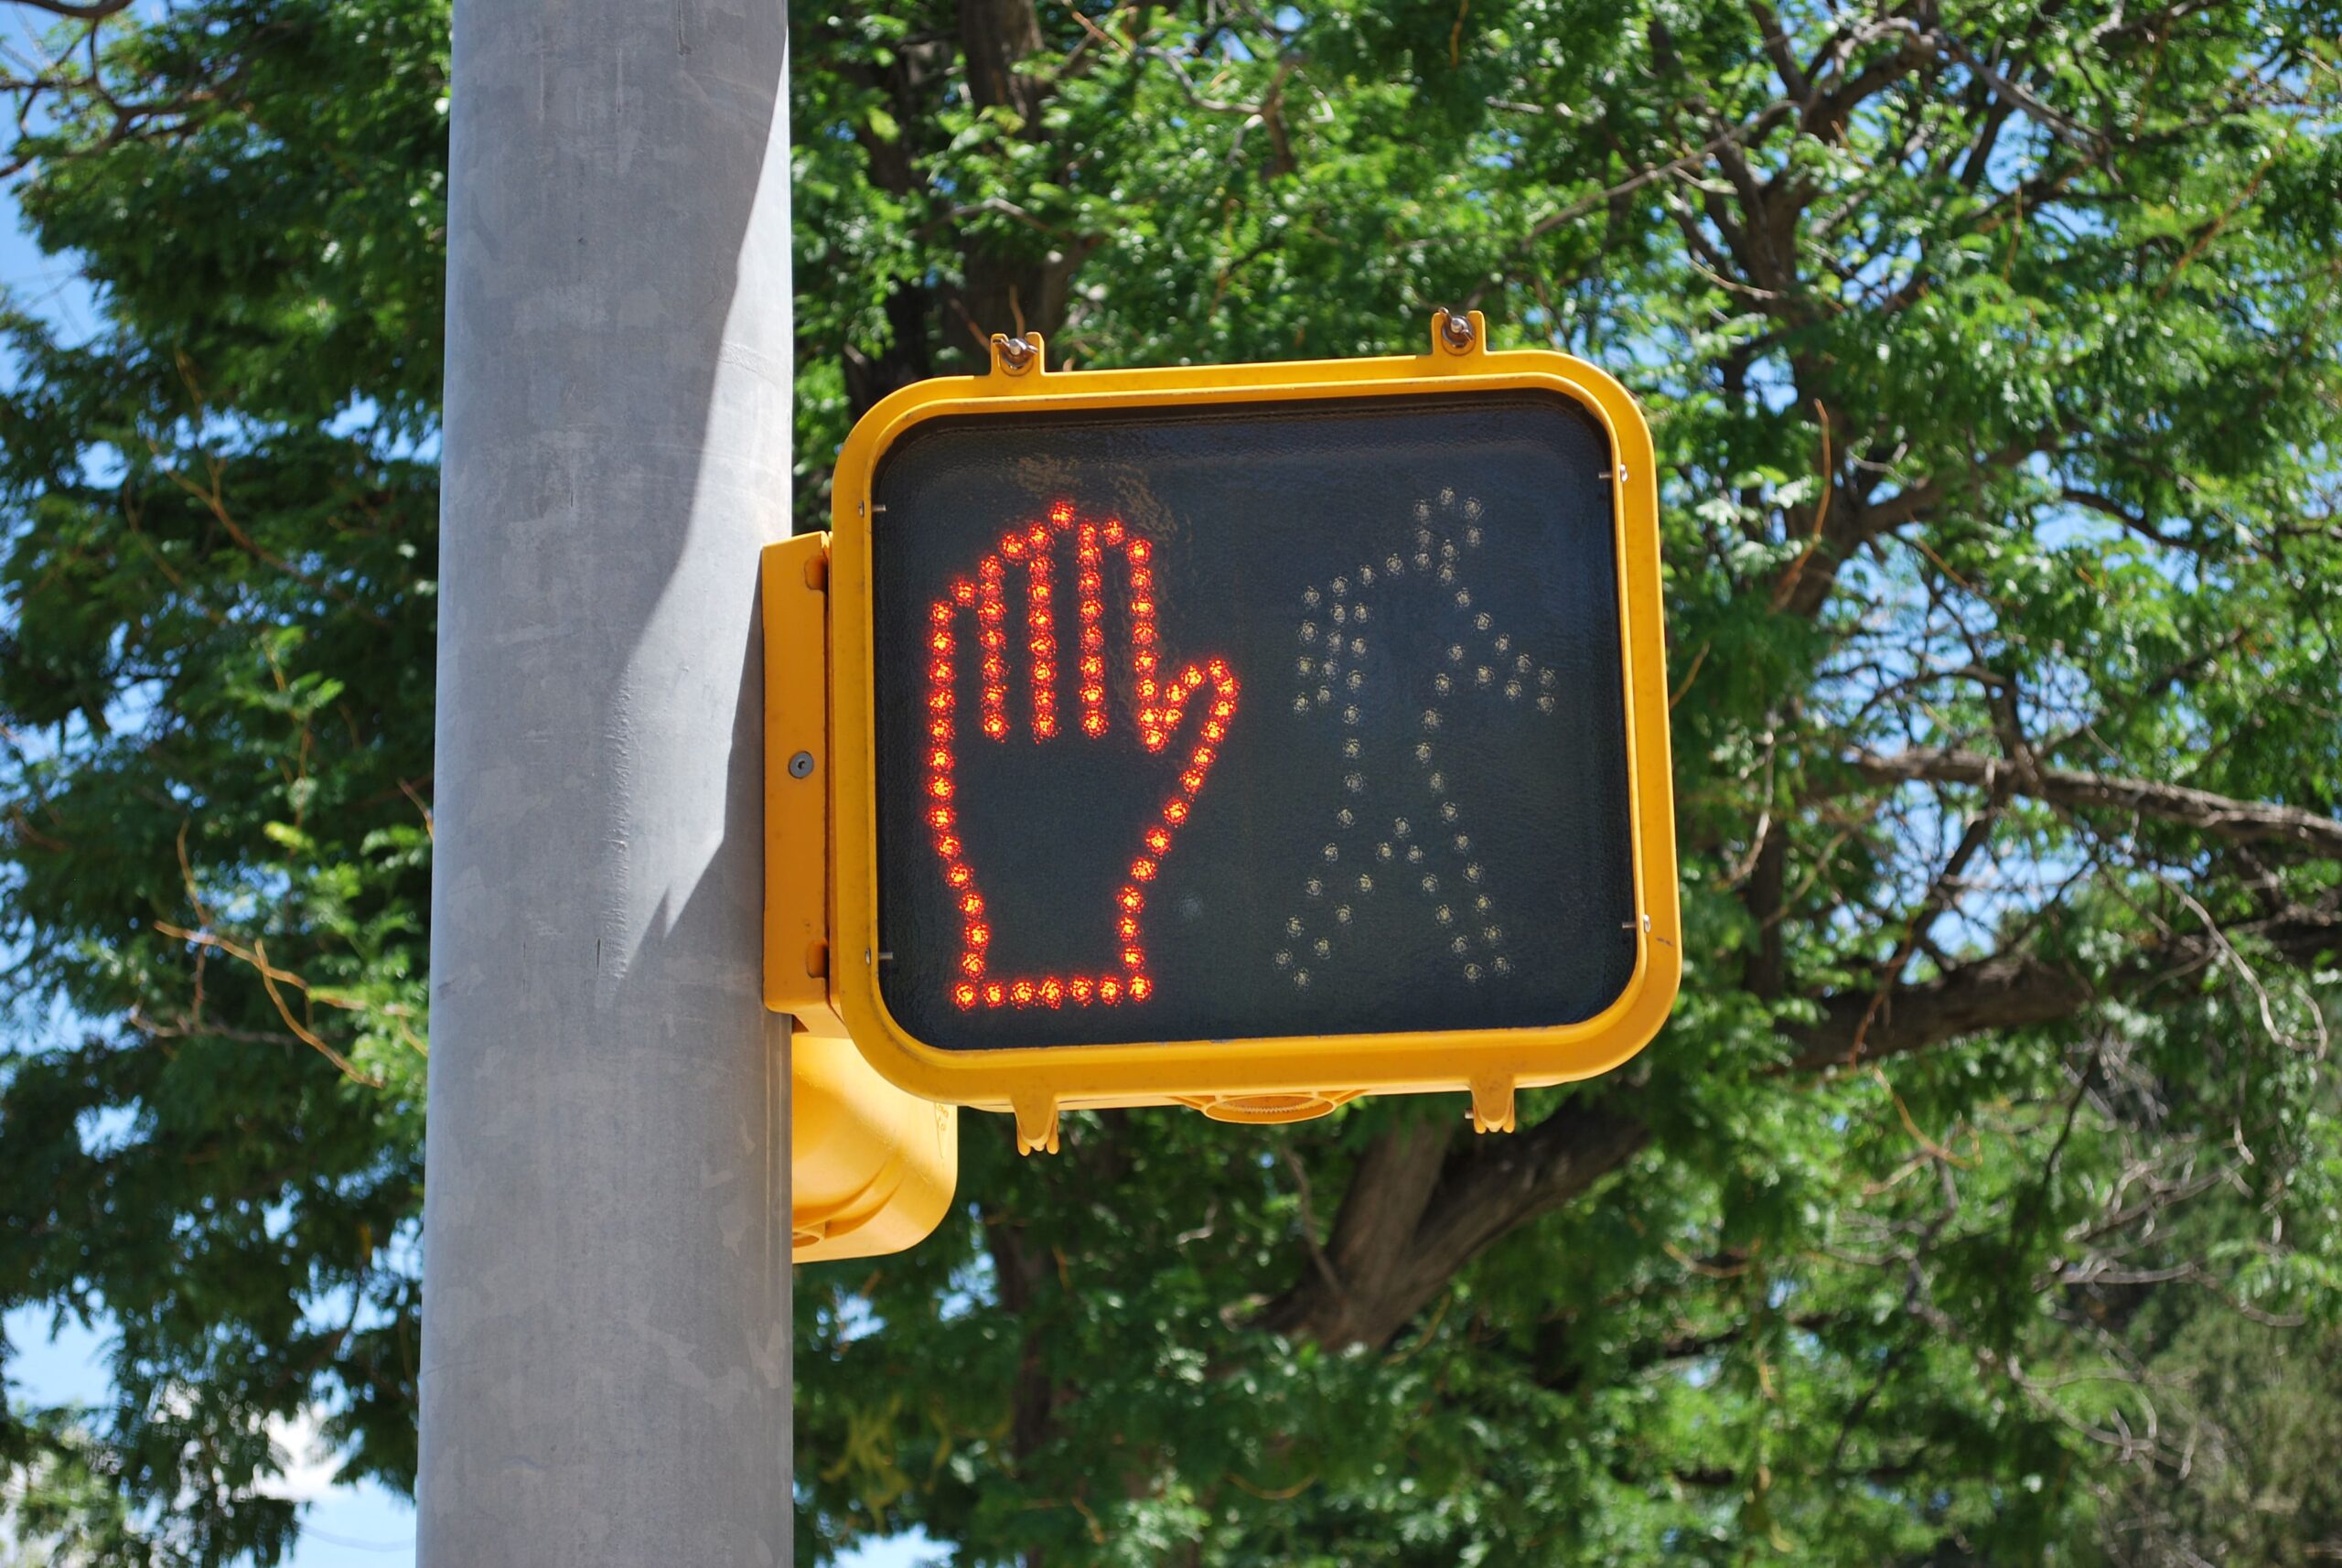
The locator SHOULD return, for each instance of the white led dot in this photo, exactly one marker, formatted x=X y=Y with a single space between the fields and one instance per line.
x=1504 y=642
x=1293 y=924
x=1441 y=684
x=1415 y=854
x=1447 y=811
x=1463 y=598
x=1284 y=960
x=1400 y=827
x=1382 y=852
x=1472 y=973
x=1342 y=913
x=1447 y=494
x=1447 y=575
x=1354 y=782
x=1358 y=644
x=1444 y=915
x=1309 y=597
x=1364 y=883
x=1349 y=714
x=1346 y=817
x=1481 y=904
x=1546 y=679
x=1502 y=965
x=1520 y=664
x=1423 y=751
x=1460 y=945
x=1324 y=947
x=1341 y=614
x=1463 y=842
x=1472 y=872
x=1355 y=680
x=1309 y=631
x=1341 y=585
x=1365 y=576
x=1512 y=690
x=1430 y=718
x=1392 y=567
x=1431 y=883
x=1482 y=621
x=1314 y=888
x=1331 y=852
x=1456 y=653
x=1493 y=935
x=1545 y=703
x=1301 y=979
x=1301 y=704
x=1438 y=780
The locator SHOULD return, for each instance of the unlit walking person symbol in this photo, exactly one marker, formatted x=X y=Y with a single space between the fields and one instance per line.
x=1423 y=841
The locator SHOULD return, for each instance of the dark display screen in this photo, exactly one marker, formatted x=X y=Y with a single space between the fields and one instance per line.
x=1296 y=718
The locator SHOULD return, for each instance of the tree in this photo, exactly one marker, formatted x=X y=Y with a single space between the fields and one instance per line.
x=1989 y=1165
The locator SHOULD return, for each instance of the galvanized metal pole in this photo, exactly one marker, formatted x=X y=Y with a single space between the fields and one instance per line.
x=605 y=1363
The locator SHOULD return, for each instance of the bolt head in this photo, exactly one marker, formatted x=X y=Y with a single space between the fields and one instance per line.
x=801 y=765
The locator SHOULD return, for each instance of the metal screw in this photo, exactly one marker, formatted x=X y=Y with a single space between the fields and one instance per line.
x=1457 y=331
x=801 y=765
x=1016 y=353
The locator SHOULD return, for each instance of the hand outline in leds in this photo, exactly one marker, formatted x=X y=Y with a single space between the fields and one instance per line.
x=1158 y=707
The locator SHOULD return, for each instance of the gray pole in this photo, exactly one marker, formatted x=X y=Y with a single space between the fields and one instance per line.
x=606 y=1340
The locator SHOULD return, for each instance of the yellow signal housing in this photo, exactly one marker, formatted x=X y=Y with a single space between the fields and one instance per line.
x=872 y=1167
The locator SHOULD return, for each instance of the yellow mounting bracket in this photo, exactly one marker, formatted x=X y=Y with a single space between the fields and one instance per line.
x=872 y=1168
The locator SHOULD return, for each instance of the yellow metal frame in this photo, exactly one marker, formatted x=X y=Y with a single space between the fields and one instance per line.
x=1262 y=1080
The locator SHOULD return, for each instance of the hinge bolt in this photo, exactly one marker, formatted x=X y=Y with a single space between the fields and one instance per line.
x=801 y=765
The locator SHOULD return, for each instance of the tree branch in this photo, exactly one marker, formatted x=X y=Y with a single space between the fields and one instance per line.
x=2221 y=817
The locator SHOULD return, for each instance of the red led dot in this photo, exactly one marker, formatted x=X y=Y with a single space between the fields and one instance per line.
x=1224 y=709
x=1038 y=535
x=1142 y=606
x=1113 y=531
x=995 y=993
x=996 y=726
x=1191 y=781
x=1218 y=671
x=940 y=701
x=1053 y=993
x=1140 y=987
x=938 y=817
x=940 y=642
x=972 y=964
x=1140 y=550
x=1143 y=634
x=1132 y=957
x=1079 y=988
x=1044 y=728
x=947 y=847
x=1013 y=547
x=1158 y=840
x=1061 y=511
x=1142 y=869
x=1093 y=667
x=1127 y=928
x=1215 y=730
x=979 y=934
x=959 y=875
x=1176 y=811
x=1093 y=725
x=940 y=729
x=939 y=788
x=939 y=760
x=963 y=591
x=1203 y=756
x=1021 y=993
x=1109 y=991
x=1131 y=898
x=964 y=994
x=973 y=904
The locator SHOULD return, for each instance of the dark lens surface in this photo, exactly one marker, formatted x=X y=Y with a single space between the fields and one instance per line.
x=1416 y=818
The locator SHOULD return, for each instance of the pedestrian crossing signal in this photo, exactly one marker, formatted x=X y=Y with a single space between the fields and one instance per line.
x=1249 y=738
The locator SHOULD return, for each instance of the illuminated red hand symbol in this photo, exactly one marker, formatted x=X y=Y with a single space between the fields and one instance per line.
x=973 y=619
